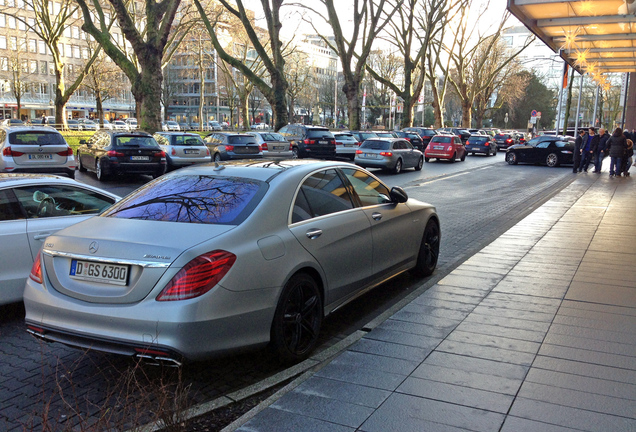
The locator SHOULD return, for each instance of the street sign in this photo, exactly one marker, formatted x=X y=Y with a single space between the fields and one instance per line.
x=533 y=113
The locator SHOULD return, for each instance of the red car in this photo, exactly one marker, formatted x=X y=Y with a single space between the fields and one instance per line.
x=449 y=147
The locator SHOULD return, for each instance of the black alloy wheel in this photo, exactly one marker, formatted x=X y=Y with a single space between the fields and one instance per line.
x=80 y=166
x=429 y=250
x=99 y=170
x=420 y=164
x=298 y=318
x=398 y=167
x=552 y=160
x=511 y=158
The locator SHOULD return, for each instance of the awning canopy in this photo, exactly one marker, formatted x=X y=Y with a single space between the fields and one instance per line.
x=594 y=36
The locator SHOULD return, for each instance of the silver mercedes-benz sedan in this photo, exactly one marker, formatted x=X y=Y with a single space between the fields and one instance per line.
x=216 y=257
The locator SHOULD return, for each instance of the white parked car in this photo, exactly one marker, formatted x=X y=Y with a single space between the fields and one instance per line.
x=120 y=125
x=170 y=125
x=34 y=206
x=132 y=123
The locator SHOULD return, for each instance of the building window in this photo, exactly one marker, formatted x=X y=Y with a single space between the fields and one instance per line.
x=4 y=64
x=41 y=47
x=21 y=24
x=85 y=53
x=25 y=66
x=76 y=52
x=33 y=46
x=3 y=42
x=51 y=68
x=44 y=68
x=31 y=22
x=13 y=43
x=75 y=32
x=68 y=50
x=11 y=22
x=60 y=48
x=3 y=20
x=34 y=67
x=67 y=32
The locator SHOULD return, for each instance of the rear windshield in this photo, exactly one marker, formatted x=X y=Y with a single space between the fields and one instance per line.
x=136 y=141
x=441 y=139
x=367 y=135
x=319 y=133
x=502 y=136
x=413 y=135
x=187 y=140
x=238 y=139
x=384 y=134
x=38 y=138
x=272 y=137
x=478 y=140
x=192 y=199
x=376 y=144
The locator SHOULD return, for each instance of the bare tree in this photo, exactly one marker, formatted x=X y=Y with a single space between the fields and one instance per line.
x=269 y=50
x=386 y=69
x=18 y=70
x=299 y=78
x=370 y=17
x=151 y=38
x=470 y=53
x=416 y=25
x=51 y=20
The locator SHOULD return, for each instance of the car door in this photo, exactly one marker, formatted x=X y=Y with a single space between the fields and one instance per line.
x=392 y=224
x=412 y=156
x=338 y=235
x=51 y=207
x=15 y=261
x=460 y=149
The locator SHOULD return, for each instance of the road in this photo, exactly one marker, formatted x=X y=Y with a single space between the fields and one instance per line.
x=477 y=200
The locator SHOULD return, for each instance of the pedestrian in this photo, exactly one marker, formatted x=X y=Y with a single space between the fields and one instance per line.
x=629 y=152
x=578 y=144
x=600 y=150
x=43 y=119
x=589 y=145
x=616 y=145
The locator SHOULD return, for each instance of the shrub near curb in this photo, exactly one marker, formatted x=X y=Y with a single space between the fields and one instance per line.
x=73 y=137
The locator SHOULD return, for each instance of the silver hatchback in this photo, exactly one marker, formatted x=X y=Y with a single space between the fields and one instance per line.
x=273 y=144
x=182 y=149
x=392 y=154
x=35 y=149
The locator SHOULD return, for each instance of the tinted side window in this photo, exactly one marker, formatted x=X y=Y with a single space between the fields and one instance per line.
x=544 y=144
x=321 y=194
x=60 y=200
x=369 y=189
x=9 y=208
x=319 y=133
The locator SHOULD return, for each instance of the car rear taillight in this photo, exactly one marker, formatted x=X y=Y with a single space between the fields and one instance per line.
x=173 y=152
x=467 y=142
x=229 y=148
x=359 y=151
x=308 y=141
x=387 y=154
x=450 y=148
x=160 y=154
x=198 y=276
x=113 y=153
x=67 y=152
x=264 y=146
x=8 y=152
x=486 y=144
x=36 y=270
x=509 y=141
x=207 y=151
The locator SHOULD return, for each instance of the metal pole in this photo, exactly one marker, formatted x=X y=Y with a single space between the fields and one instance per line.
x=558 y=118
x=578 y=109
x=595 y=106
x=625 y=99
x=335 y=104
x=216 y=83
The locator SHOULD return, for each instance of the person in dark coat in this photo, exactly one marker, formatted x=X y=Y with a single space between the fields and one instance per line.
x=629 y=152
x=577 y=151
x=616 y=145
x=600 y=150
x=588 y=148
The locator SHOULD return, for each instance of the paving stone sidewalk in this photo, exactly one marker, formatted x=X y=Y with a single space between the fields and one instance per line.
x=536 y=332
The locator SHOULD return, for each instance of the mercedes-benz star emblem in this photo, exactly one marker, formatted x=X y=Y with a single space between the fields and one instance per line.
x=92 y=248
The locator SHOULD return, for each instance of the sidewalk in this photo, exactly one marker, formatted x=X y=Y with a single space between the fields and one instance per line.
x=536 y=332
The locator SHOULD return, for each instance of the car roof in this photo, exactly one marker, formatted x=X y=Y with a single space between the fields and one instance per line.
x=29 y=128
x=171 y=133
x=263 y=170
x=21 y=179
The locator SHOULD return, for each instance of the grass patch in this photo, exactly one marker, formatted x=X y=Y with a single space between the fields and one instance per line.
x=73 y=137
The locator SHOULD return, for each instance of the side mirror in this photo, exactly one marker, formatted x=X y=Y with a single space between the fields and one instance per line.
x=398 y=195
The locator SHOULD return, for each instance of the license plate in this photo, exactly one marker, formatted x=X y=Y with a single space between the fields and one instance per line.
x=99 y=272
x=140 y=158
x=189 y=151
x=438 y=147
x=323 y=142
x=40 y=156
x=278 y=147
x=370 y=155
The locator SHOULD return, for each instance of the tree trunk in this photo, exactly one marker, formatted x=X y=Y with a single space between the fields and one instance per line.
x=568 y=105
x=278 y=102
x=407 y=111
x=437 y=109
x=350 y=90
x=100 y=108
x=466 y=113
x=245 y=112
x=147 y=93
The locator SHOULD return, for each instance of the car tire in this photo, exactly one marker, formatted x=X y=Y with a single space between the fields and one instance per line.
x=427 y=160
x=463 y=157
x=420 y=164
x=295 y=154
x=297 y=319
x=552 y=160
x=99 y=171
x=398 y=167
x=71 y=173
x=429 y=250
x=80 y=167
x=473 y=154
x=511 y=158
x=217 y=157
x=494 y=153
x=452 y=159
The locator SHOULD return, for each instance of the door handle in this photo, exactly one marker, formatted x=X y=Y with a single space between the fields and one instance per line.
x=41 y=236
x=376 y=216
x=314 y=233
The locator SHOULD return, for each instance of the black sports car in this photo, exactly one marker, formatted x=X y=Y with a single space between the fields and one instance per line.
x=549 y=150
